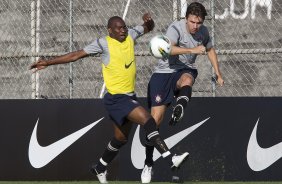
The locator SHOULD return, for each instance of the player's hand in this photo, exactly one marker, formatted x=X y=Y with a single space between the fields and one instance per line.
x=199 y=50
x=39 y=65
x=220 y=80
x=148 y=21
x=147 y=17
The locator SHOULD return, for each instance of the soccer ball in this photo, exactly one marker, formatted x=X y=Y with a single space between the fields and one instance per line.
x=160 y=46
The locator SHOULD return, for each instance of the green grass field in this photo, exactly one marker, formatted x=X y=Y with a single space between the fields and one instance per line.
x=128 y=182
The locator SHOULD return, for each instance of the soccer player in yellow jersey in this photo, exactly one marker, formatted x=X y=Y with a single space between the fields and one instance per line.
x=119 y=73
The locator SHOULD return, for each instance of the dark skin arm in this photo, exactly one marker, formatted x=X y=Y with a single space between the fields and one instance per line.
x=67 y=58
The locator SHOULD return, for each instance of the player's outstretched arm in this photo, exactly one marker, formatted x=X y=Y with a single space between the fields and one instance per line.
x=214 y=61
x=67 y=58
x=149 y=23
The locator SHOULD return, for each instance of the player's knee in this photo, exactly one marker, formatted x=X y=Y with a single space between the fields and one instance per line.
x=185 y=80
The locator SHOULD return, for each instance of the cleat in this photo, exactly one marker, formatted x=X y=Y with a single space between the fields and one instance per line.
x=177 y=114
x=102 y=176
x=147 y=173
x=177 y=160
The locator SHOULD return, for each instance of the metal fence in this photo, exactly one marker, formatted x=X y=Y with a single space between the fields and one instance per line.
x=246 y=34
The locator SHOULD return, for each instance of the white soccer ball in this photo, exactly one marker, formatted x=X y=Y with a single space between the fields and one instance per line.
x=160 y=46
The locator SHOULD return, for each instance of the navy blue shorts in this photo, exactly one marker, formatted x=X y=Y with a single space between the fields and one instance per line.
x=162 y=87
x=119 y=106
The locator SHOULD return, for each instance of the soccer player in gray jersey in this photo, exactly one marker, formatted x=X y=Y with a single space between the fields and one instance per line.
x=174 y=77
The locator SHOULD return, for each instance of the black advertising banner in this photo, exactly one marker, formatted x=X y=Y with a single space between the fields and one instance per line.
x=232 y=139
x=66 y=140
x=228 y=139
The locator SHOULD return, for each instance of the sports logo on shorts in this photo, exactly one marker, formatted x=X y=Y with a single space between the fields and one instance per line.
x=158 y=99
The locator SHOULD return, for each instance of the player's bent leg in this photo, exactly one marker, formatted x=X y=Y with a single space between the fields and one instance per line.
x=147 y=173
x=154 y=137
x=183 y=98
x=100 y=169
x=184 y=86
x=152 y=134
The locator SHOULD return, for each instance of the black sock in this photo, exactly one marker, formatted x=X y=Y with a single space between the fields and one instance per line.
x=184 y=95
x=154 y=137
x=109 y=154
x=100 y=167
x=149 y=153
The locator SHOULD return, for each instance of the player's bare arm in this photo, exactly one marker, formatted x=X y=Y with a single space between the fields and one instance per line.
x=214 y=61
x=176 y=50
x=67 y=58
x=149 y=23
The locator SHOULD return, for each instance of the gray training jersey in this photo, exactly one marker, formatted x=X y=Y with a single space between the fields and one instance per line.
x=178 y=34
x=100 y=45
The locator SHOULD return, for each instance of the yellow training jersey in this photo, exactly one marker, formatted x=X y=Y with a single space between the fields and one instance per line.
x=120 y=73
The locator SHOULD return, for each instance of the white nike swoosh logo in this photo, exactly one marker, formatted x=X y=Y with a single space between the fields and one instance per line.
x=39 y=156
x=138 y=150
x=260 y=158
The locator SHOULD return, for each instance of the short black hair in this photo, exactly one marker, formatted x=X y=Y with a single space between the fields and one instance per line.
x=112 y=20
x=197 y=9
